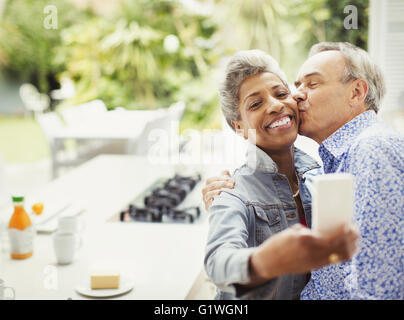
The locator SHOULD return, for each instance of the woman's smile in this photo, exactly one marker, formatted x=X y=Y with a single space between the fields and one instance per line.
x=284 y=121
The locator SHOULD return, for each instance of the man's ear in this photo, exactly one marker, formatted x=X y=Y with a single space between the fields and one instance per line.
x=359 y=91
x=239 y=128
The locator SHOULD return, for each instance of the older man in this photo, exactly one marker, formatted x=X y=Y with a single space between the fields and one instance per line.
x=339 y=90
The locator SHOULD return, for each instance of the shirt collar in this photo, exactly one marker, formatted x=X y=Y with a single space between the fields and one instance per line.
x=339 y=142
x=258 y=159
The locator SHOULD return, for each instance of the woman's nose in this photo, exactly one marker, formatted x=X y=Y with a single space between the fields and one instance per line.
x=275 y=107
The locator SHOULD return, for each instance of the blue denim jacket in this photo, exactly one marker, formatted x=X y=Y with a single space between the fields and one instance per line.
x=260 y=205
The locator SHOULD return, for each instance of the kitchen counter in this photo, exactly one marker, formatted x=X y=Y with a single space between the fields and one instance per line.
x=163 y=259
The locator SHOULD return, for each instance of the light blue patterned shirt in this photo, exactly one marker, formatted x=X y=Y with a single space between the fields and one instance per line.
x=374 y=154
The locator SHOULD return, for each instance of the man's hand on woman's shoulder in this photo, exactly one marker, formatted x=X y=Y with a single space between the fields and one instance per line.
x=214 y=185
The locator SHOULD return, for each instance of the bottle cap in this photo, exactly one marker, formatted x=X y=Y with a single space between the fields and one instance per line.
x=18 y=198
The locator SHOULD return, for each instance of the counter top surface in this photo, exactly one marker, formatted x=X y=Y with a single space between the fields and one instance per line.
x=163 y=259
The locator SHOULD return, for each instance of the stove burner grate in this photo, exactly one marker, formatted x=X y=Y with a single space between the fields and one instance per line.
x=163 y=202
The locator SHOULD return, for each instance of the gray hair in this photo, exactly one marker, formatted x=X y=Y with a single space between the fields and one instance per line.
x=358 y=65
x=242 y=65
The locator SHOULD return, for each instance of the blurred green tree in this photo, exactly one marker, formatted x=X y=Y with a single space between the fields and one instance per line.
x=254 y=24
x=150 y=53
x=147 y=55
x=306 y=22
x=27 y=47
x=323 y=20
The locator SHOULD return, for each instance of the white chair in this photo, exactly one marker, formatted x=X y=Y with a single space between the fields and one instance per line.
x=176 y=110
x=78 y=115
x=66 y=90
x=89 y=146
x=167 y=124
x=84 y=115
x=33 y=100
x=51 y=125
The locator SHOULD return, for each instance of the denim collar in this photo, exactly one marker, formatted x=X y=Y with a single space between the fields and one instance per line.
x=258 y=159
x=340 y=141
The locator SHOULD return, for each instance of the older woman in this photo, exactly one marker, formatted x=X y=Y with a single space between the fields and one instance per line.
x=251 y=251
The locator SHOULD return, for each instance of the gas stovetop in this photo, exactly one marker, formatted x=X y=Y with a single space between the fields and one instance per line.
x=165 y=201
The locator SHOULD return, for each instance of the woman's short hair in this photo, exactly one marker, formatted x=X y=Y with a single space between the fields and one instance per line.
x=242 y=65
x=358 y=65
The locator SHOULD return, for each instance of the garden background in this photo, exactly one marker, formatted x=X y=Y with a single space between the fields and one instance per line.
x=147 y=54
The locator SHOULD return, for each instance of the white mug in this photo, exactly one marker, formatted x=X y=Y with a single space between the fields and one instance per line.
x=65 y=244
x=70 y=224
x=3 y=290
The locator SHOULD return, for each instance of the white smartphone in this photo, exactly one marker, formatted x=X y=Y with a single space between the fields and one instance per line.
x=332 y=201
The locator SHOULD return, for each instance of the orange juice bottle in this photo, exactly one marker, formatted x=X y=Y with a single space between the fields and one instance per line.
x=21 y=231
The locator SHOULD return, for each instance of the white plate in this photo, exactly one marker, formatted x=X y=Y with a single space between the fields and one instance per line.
x=125 y=285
